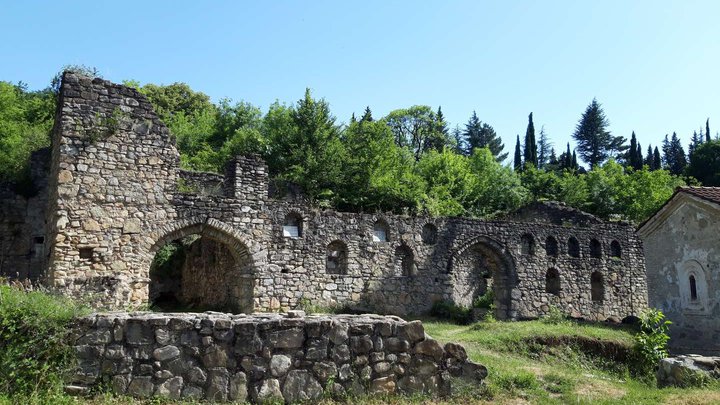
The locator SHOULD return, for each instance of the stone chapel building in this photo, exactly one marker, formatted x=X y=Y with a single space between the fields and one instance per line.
x=682 y=250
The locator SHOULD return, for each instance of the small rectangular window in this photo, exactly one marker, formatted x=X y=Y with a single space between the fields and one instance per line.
x=290 y=231
x=379 y=235
x=86 y=253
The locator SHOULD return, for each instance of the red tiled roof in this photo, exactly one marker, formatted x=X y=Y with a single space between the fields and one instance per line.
x=706 y=193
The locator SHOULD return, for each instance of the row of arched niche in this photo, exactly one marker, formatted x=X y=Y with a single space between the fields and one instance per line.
x=527 y=247
x=336 y=261
x=597 y=285
x=293 y=228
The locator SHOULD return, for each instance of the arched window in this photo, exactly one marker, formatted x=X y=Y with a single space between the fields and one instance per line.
x=527 y=245
x=552 y=282
x=595 y=249
x=615 y=249
x=573 y=247
x=336 y=262
x=381 y=231
x=405 y=261
x=693 y=289
x=292 y=227
x=429 y=234
x=597 y=289
x=551 y=246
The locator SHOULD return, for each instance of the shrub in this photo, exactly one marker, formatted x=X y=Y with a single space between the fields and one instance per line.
x=450 y=311
x=34 y=353
x=651 y=341
x=486 y=300
x=554 y=316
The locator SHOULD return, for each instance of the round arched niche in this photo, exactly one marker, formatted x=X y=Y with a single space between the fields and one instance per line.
x=692 y=286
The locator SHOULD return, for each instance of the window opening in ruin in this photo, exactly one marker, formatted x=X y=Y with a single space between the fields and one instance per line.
x=86 y=253
x=693 y=289
x=615 y=249
x=292 y=227
x=336 y=262
x=405 y=261
x=429 y=234
x=527 y=245
x=595 y=249
x=381 y=232
x=552 y=282
x=597 y=289
x=573 y=247
x=551 y=246
x=39 y=247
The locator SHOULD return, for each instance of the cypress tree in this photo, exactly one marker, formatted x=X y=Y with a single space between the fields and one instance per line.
x=352 y=119
x=574 y=163
x=631 y=159
x=639 y=156
x=657 y=163
x=530 y=153
x=707 y=130
x=518 y=156
x=544 y=146
x=552 y=160
x=460 y=146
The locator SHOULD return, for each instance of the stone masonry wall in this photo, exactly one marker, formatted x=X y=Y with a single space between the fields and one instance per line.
x=117 y=195
x=221 y=357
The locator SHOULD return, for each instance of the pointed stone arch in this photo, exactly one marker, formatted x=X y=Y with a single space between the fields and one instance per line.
x=480 y=264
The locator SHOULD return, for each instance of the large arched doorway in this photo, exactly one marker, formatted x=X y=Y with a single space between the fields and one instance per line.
x=199 y=268
x=480 y=267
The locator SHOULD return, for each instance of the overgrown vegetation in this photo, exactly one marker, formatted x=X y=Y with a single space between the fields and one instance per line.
x=34 y=351
x=651 y=342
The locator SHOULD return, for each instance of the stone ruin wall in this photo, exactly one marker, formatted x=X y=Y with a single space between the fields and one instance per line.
x=262 y=358
x=117 y=195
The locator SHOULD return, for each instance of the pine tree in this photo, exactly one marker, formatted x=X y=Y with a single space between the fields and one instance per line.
x=352 y=119
x=649 y=158
x=481 y=135
x=518 y=156
x=441 y=124
x=460 y=146
x=677 y=161
x=707 y=130
x=552 y=160
x=367 y=116
x=544 y=146
x=695 y=142
x=594 y=141
x=657 y=163
x=530 y=153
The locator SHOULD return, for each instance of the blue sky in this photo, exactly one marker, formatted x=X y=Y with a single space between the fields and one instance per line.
x=654 y=65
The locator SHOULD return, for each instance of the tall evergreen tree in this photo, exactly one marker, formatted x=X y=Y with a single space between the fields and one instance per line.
x=367 y=115
x=639 y=155
x=481 y=135
x=595 y=143
x=353 y=119
x=517 y=163
x=573 y=162
x=649 y=158
x=441 y=124
x=460 y=145
x=707 y=130
x=657 y=163
x=695 y=142
x=631 y=159
x=530 y=154
x=674 y=155
x=553 y=160
x=544 y=146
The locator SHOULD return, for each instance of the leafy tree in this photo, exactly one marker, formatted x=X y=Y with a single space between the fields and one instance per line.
x=416 y=128
x=705 y=164
x=481 y=135
x=25 y=121
x=517 y=161
x=305 y=146
x=595 y=143
x=530 y=153
x=544 y=146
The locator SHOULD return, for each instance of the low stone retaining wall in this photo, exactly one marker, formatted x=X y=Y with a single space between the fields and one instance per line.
x=688 y=370
x=290 y=357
